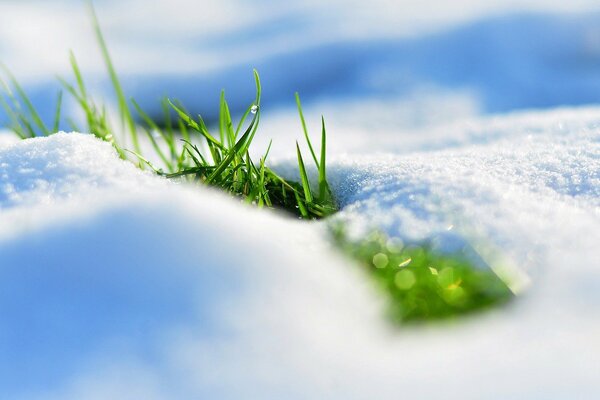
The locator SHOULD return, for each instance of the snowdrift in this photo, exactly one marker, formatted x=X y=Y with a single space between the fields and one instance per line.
x=118 y=284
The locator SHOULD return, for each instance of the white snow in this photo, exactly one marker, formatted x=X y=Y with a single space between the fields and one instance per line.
x=7 y=138
x=117 y=284
x=120 y=285
x=112 y=266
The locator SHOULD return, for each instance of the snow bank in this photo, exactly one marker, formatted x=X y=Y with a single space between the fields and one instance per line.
x=118 y=278
x=117 y=284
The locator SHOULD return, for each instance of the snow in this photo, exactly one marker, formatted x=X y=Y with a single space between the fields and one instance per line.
x=471 y=122
x=119 y=284
x=7 y=138
x=120 y=267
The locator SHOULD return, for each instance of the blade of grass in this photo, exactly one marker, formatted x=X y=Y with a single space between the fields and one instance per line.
x=16 y=125
x=195 y=126
x=78 y=75
x=56 y=125
x=126 y=117
x=97 y=121
x=303 y=122
x=28 y=104
x=303 y=176
x=258 y=88
x=300 y=205
x=153 y=127
x=235 y=151
x=242 y=119
x=324 y=191
x=225 y=123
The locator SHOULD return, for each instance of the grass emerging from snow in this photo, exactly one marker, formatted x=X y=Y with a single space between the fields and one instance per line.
x=228 y=164
x=184 y=145
x=424 y=284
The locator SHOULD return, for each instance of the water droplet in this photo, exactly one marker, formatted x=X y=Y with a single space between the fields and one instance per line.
x=254 y=109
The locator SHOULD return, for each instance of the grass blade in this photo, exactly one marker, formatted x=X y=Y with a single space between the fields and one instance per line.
x=303 y=176
x=235 y=151
x=324 y=191
x=301 y=207
x=37 y=120
x=225 y=123
x=153 y=127
x=56 y=125
x=126 y=117
x=12 y=115
x=303 y=122
x=200 y=128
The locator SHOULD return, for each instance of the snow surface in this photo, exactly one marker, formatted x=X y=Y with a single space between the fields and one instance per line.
x=120 y=285
x=7 y=138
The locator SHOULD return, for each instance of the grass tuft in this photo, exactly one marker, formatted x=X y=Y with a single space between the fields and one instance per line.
x=185 y=147
x=226 y=163
x=422 y=284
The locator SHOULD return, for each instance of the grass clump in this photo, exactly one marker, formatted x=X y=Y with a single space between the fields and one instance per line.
x=183 y=144
x=226 y=163
x=423 y=284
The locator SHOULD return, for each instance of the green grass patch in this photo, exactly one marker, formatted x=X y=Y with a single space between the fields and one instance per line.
x=183 y=144
x=423 y=284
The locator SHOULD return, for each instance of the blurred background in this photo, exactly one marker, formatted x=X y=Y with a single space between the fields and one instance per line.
x=369 y=67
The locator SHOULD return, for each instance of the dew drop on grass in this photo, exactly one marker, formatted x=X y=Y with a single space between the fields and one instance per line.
x=380 y=260
x=254 y=109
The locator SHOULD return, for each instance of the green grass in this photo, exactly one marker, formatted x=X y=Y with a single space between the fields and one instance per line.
x=183 y=144
x=226 y=162
x=423 y=284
